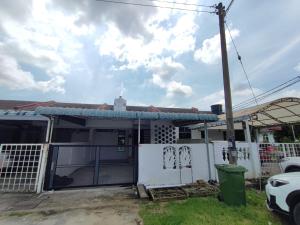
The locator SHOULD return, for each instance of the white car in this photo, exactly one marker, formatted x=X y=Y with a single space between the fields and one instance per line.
x=283 y=194
x=290 y=164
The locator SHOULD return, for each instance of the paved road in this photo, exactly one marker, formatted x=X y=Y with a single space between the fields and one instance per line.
x=105 y=206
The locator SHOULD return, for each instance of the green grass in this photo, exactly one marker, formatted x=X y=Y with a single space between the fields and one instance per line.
x=208 y=211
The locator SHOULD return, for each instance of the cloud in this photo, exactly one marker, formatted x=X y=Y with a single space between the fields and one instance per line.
x=163 y=76
x=164 y=70
x=297 y=67
x=13 y=77
x=42 y=39
x=210 y=52
x=15 y=10
x=133 y=52
x=177 y=88
x=240 y=92
x=129 y=19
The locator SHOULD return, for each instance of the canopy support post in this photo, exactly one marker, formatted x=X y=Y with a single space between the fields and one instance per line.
x=139 y=131
x=293 y=131
x=207 y=149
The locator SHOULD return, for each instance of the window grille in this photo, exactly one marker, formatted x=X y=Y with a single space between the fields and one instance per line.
x=20 y=167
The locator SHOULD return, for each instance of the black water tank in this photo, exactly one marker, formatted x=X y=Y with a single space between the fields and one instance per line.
x=216 y=109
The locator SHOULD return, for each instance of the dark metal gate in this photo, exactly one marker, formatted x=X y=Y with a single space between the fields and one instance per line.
x=90 y=165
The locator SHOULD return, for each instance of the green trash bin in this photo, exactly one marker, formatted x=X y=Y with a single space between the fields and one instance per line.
x=232 y=184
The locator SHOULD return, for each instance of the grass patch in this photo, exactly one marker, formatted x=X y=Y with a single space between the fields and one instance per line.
x=209 y=211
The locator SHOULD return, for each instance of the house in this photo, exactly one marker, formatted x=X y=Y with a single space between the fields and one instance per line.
x=259 y=121
x=87 y=144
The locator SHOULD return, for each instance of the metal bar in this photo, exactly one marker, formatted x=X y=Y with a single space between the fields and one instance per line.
x=293 y=131
x=53 y=166
x=139 y=132
x=51 y=130
x=207 y=150
x=42 y=168
x=97 y=165
x=48 y=130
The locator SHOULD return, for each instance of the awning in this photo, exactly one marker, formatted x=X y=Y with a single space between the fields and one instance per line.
x=110 y=114
x=20 y=115
x=278 y=112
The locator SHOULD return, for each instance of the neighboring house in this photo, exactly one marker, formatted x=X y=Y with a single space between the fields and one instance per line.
x=262 y=120
x=91 y=144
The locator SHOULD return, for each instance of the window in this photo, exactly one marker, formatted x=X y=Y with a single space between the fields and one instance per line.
x=185 y=133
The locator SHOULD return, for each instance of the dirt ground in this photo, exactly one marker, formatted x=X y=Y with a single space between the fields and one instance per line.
x=105 y=206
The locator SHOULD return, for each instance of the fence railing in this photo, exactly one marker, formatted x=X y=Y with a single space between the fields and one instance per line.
x=271 y=155
x=20 y=167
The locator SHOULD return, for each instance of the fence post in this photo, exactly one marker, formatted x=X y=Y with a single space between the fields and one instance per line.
x=282 y=146
x=41 y=175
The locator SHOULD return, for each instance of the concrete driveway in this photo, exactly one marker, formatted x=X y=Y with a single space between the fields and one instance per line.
x=105 y=206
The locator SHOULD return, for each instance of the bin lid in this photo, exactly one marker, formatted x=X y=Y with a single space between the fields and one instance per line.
x=231 y=168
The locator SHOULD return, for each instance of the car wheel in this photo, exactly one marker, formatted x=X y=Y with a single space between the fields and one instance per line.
x=292 y=169
x=296 y=213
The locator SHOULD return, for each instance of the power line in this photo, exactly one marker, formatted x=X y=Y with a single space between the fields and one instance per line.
x=229 y=6
x=291 y=81
x=155 y=6
x=180 y=3
x=248 y=102
x=240 y=60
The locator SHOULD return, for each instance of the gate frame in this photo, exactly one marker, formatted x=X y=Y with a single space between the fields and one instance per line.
x=51 y=166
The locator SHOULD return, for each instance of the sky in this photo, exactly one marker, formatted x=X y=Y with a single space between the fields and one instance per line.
x=90 y=51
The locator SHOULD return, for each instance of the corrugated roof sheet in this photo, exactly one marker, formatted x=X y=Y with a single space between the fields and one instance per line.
x=21 y=115
x=277 y=112
x=31 y=105
x=125 y=114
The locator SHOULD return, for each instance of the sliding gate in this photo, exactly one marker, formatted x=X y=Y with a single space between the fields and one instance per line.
x=90 y=165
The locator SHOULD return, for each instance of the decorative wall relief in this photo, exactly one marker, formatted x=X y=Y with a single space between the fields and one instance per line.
x=169 y=157
x=163 y=133
x=185 y=157
x=243 y=153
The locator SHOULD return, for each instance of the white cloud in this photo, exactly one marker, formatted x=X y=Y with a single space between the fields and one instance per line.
x=134 y=52
x=13 y=77
x=164 y=70
x=177 y=88
x=210 y=52
x=297 y=67
x=46 y=39
x=163 y=76
x=129 y=19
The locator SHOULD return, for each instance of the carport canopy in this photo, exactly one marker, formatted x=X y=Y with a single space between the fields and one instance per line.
x=278 y=112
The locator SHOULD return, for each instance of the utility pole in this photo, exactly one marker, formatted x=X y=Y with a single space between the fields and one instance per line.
x=227 y=91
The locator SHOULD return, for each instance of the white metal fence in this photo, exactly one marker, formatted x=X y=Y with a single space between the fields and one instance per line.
x=20 y=169
x=271 y=156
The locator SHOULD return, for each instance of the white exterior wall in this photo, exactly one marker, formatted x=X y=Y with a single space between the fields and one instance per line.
x=213 y=134
x=252 y=164
x=196 y=134
x=152 y=172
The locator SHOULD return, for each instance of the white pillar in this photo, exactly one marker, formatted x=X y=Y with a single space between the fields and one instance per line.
x=207 y=150
x=293 y=131
x=247 y=132
x=253 y=155
x=51 y=130
x=42 y=166
x=48 y=129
